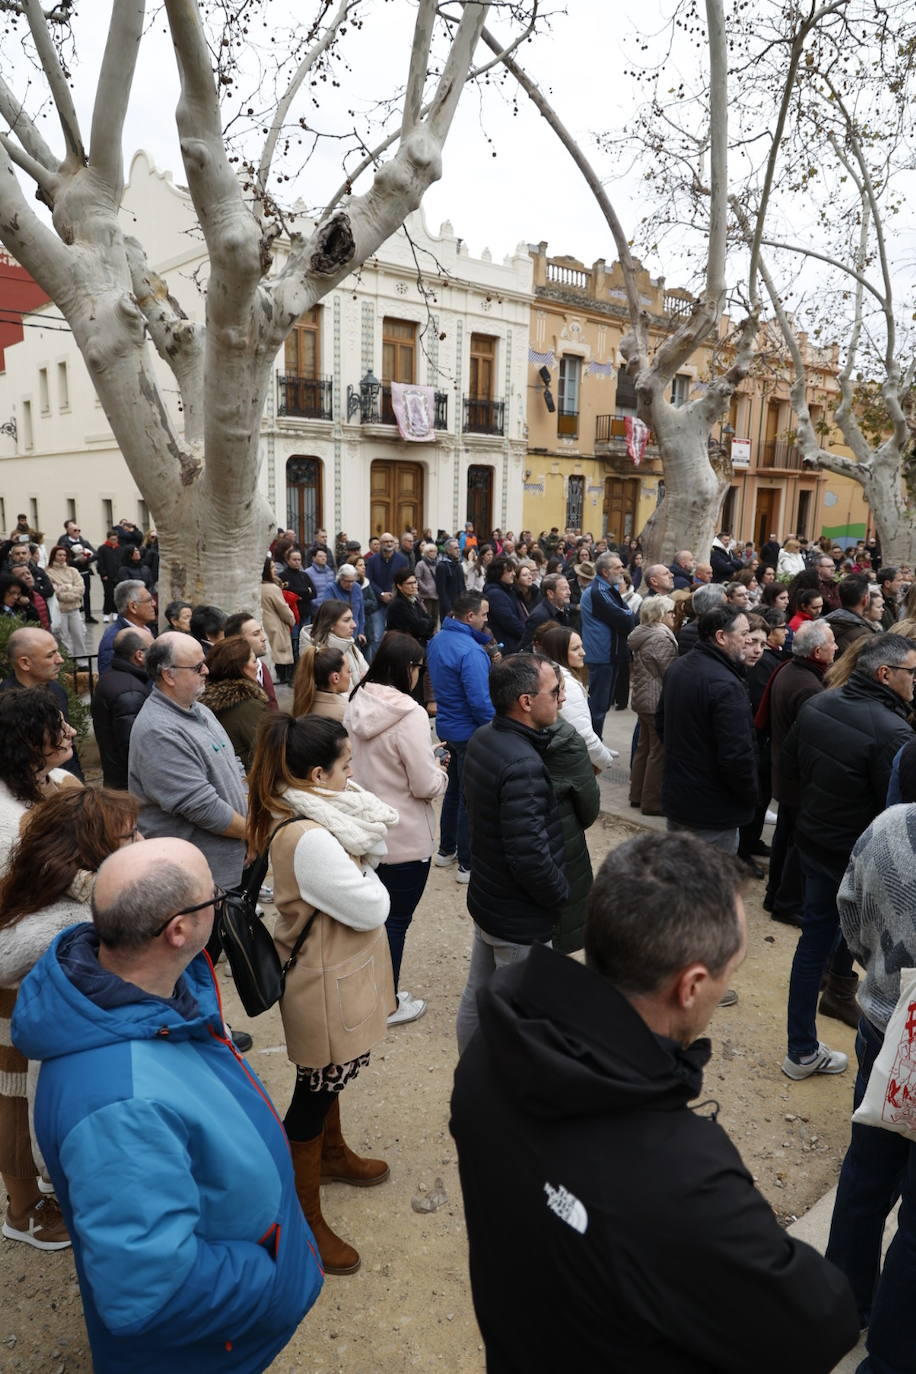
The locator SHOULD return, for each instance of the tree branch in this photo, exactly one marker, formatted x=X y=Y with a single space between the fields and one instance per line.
x=419 y=65
x=31 y=243
x=442 y=107
x=831 y=262
x=718 y=155
x=113 y=91
x=286 y=100
x=46 y=181
x=178 y=340
x=24 y=128
x=57 y=82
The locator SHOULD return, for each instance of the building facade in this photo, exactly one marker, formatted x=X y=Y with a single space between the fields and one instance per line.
x=421 y=311
x=580 y=469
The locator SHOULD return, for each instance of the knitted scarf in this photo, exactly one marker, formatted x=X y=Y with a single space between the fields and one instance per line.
x=355 y=817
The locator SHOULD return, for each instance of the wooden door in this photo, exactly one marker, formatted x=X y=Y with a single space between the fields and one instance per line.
x=480 y=499
x=765 y=515
x=396 y=496
x=303 y=497
x=621 y=501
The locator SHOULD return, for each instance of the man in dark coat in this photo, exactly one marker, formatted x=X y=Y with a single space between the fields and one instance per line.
x=83 y=558
x=725 y=566
x=639 y=1243
x=709 y=784
x=116 y=702
x=839 y=754
x=849 y=622
x=449 y=575
x=769 y=554
x=518 y=882
x=554 y=605
x=108 y=561
x=380 y=570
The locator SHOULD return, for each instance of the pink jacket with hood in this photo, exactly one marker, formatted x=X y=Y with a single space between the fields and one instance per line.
x=393 y=757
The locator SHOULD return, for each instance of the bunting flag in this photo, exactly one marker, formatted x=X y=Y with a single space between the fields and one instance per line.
x=637 y=438
x=541 y=359
x=415 y=411
x=600 y=369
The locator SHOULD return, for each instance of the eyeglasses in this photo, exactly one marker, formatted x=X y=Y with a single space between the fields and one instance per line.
x=217 y=901
x=191 y=667
x=899 y=668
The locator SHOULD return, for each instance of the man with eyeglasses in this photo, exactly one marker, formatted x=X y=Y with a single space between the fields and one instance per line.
x=839 y=755
x=136 y=610
x=518 y=863
x=182 y=766
x=83 y=557
x=170 y=1163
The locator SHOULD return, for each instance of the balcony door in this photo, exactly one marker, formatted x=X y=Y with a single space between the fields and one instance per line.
x=396 y=496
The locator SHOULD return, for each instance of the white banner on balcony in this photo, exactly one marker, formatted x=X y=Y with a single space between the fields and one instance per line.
x=637 y=432
x=415 y=411
x=741 y=453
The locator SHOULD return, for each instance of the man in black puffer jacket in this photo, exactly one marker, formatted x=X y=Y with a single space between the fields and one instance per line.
x=839 y=754
x=518 y=883
x=120 y=693
x=704 y=717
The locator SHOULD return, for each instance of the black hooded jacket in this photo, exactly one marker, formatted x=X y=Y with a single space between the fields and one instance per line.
x=612 y=1229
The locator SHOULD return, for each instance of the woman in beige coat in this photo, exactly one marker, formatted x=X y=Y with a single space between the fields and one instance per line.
x=653 y=649
x=277 y=619
x=339 y=992
x=68 y=593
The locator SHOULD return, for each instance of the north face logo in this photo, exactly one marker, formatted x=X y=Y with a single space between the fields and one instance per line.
x=567 y=1207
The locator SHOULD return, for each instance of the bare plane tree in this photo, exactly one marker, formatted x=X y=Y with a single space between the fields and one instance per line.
x=199 y=477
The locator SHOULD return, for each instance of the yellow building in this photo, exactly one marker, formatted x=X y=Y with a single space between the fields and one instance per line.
x=581 y=471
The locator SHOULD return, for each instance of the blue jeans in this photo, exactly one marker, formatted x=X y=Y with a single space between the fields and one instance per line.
x=454 y=830
x=877 y=1167
x=405 y=883
x=820 y=943
x=375 y=628
x=601 y=677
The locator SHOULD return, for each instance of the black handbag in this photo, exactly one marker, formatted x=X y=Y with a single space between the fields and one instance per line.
x=256 y=968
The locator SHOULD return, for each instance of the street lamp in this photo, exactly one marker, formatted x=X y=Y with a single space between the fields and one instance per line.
x=365 y=399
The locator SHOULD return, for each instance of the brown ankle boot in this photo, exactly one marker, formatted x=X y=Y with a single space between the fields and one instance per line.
x=337 y=1256
x=838 y=999
x=338 y=1162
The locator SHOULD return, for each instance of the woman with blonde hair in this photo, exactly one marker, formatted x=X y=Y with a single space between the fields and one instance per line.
x=653 y=649
x=339 y=992
x=791 y=560
x=322 y=683
x=842 y=669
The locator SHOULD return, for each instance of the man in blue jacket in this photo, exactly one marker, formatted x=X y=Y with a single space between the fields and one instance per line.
x=380 y=570
x=606 y=623
x=459 y=669
x=171 y=1165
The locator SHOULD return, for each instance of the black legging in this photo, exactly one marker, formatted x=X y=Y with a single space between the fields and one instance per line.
x=307 y=1111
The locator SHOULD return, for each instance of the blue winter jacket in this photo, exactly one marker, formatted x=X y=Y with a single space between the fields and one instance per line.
x=172 y=1169
x=606 y=622
x=354 y=599
x=460 y=672
x=323 y=580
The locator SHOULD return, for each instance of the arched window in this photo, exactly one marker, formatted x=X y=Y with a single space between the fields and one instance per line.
x=303 y=497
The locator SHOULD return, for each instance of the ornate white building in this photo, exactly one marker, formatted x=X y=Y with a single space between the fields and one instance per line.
x=332 y=452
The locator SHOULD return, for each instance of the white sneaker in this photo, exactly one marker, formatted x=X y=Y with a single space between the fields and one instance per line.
x=409 y=1009
x=770 y=818
x=443 y=860
x=463 y=875
x=825 y=1060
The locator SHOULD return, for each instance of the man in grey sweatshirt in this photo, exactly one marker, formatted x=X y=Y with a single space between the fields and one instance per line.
x=182 y=766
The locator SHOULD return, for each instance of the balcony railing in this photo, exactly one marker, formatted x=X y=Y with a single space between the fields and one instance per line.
x=386 y=415
x=308 y=397
x=779 y=453
x=483 y=416
x=610 y=427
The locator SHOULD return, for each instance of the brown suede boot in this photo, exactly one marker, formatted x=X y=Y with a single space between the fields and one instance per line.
x=337 y=1256
x=838 y=999
x=338 y=1162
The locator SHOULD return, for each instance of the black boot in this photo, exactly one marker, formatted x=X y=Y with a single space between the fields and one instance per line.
x=839 y=999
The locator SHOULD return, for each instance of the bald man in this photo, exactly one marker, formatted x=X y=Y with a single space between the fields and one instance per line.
x=171 y=1165
x=182 y=765
x=380 y=570
x=36 y=661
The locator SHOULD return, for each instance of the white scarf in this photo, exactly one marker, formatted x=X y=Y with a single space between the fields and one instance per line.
x=355 y=817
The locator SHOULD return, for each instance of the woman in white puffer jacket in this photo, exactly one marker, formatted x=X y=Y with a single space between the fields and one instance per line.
x=564 y=646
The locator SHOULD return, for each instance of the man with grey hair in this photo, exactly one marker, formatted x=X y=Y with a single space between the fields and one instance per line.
x=682 y=570
x=136 y=609
x=839 y=755
x=449 y=575
x=554 y=605
x=606 y=624
x=702 y=573
x=813 y=650
x=182 y=766
x=705 y=598
x=154 y=1129
x=348 y=590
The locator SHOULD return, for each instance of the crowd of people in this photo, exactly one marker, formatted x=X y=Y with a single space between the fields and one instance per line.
x=479 y=672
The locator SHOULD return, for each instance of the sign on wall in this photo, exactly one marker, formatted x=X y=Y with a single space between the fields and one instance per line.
x=741 y=453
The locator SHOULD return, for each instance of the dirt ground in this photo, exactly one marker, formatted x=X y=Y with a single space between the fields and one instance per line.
x=409 y=1306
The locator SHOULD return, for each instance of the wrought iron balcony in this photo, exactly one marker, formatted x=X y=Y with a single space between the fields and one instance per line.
x=310 y=398
x=611 y=427
x=388 y=416
x=483 y=416
x=779 y=453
